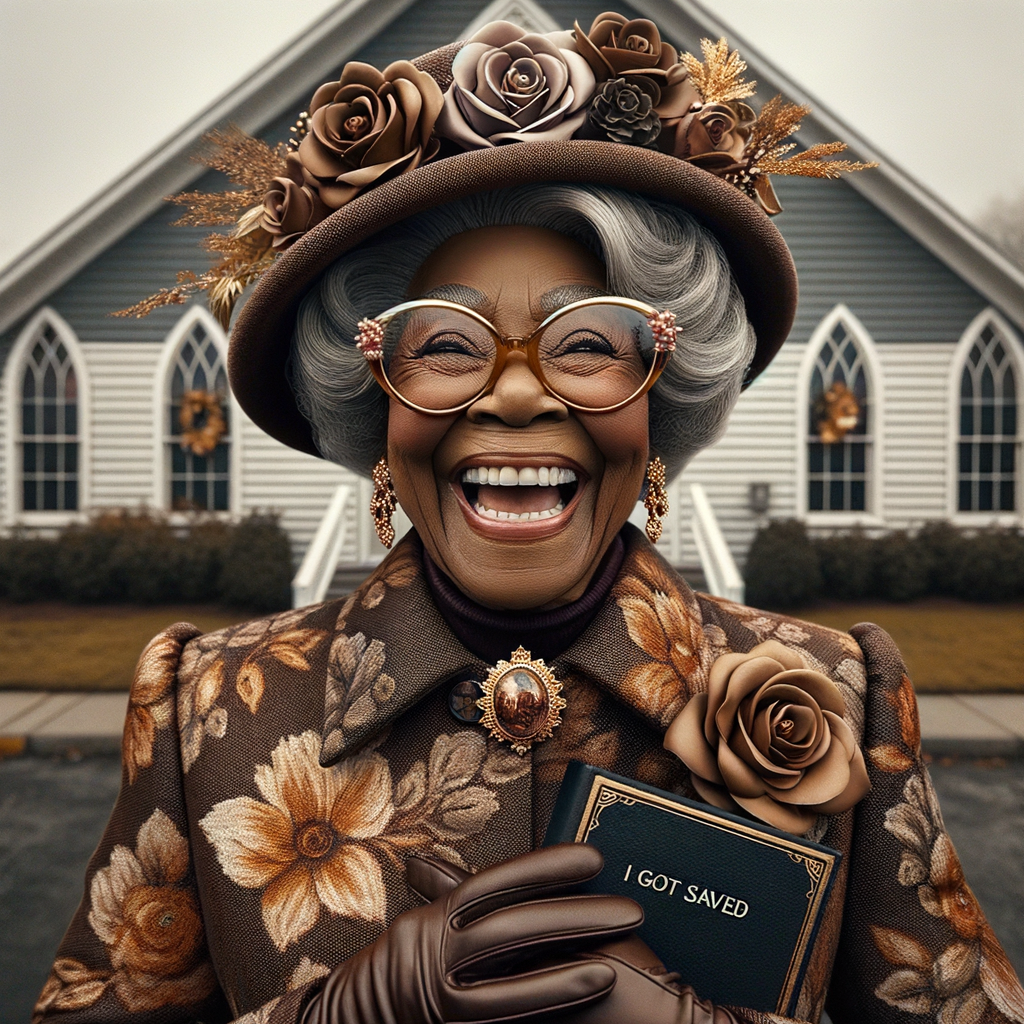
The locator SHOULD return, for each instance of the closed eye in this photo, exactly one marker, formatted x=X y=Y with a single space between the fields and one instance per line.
x=585 y=341
x=449 y=343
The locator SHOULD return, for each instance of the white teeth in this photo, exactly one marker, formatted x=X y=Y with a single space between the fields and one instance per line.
x=509 y=476
x=520 y=517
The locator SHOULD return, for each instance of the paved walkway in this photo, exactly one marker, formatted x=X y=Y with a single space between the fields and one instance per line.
x=971 y=725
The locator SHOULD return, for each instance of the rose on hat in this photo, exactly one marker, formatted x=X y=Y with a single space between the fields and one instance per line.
x=769 y=738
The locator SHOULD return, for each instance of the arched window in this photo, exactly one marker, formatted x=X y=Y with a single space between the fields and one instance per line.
x=988 y=435
x=840 y=418
x=197 y=419
x=46 y=391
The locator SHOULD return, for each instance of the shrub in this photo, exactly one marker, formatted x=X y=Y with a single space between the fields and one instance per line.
x=847 y=565
x=990 y=566
x=783 y=568
x=901 y=567
x=257 y=566
x=27 y=569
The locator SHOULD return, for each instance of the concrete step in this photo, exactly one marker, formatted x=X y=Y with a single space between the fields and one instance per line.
x=954 y=725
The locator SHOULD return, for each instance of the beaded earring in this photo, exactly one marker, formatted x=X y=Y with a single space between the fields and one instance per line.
x=383 y=503
x=656 y=499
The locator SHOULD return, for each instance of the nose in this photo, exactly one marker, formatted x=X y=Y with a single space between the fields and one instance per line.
x=518 y=397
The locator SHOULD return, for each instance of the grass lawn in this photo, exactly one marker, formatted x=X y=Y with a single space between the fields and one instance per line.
x=76 y=647
x=948 y=645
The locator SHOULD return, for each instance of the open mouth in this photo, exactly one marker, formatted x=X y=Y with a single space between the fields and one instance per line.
x=518 y=494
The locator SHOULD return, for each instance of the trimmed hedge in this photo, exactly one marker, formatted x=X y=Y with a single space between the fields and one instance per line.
x=787 y=568
x=140 y=558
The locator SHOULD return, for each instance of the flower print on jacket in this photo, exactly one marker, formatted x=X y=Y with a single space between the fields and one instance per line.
x=972 y=971
x=151 y=701
x=302 y=844
x=151 y=927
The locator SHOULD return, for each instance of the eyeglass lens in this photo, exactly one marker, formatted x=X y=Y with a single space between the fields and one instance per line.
x=594 y=356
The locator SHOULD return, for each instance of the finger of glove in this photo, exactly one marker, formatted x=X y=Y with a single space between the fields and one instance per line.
x=525 y=929
x=529 y=995
x=539 y=873
x=431 y=877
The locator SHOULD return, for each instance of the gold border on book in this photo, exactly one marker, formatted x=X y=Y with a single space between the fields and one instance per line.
x=598 y=801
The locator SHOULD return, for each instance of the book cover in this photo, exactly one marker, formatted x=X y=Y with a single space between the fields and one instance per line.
x=731 y=904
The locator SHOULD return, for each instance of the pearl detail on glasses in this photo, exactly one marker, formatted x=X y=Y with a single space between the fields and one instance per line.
x=370 y=339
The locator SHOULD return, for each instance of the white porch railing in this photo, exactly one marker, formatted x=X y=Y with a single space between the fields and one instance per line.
x=720 y=572
x=321 y=559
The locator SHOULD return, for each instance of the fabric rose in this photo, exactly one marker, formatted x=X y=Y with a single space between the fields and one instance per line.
x=368 y=125
x=769 y=737
x=509 y=85
x=710 y=135
x=291 y=207
x=617 y=47
x=622 y=111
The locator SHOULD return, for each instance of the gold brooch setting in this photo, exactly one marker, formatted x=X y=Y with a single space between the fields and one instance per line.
x=521 y=703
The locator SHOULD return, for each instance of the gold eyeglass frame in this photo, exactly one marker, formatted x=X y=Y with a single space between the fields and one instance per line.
x=370 y=341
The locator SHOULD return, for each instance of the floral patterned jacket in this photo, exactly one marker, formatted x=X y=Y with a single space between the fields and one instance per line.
x=277 y=774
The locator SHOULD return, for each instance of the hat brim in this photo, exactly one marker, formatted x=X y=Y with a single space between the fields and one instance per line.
x=261 y=337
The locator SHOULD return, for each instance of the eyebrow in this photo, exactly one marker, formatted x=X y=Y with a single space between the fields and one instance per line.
x=473 y=298
x=567 y=293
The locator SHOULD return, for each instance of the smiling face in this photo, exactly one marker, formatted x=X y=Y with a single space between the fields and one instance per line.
x=518 y=498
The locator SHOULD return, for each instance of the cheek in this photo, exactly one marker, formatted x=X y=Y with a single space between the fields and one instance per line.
x=621 y=438
x=412 y=440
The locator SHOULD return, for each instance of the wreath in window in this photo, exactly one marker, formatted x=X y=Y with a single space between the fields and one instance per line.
x=202 y=422
x=836 y=413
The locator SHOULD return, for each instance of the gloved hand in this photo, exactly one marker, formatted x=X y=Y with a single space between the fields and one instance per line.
x=644 y=990
x=471 y=955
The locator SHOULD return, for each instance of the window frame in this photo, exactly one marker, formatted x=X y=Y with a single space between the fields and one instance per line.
x=13 y=513
x=1015 y=351
x=874 y=513
x=162 y=439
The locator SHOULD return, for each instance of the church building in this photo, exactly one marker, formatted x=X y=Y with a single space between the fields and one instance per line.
x=895 y=401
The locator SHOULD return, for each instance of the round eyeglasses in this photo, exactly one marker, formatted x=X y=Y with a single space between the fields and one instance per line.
x=596 y=355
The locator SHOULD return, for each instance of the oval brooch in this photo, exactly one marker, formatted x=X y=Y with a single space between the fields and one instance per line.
x=521 y=702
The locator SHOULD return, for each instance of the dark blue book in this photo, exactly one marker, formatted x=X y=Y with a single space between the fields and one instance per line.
x=732 y=905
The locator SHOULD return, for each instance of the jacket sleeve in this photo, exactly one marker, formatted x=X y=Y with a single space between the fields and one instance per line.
x=135 y=951
x=914 y=939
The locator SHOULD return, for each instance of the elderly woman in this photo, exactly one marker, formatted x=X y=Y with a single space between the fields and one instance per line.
x=527 y=278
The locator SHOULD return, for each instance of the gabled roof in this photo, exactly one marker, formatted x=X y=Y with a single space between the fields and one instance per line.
x=284 y=82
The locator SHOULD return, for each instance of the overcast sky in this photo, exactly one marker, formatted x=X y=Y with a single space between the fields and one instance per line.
x=87 y=87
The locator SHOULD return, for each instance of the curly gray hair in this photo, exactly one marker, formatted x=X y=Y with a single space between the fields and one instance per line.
x=652 y=251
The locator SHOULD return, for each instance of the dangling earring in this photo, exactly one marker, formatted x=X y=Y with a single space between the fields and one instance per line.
x=383 y=503
x=656 y=499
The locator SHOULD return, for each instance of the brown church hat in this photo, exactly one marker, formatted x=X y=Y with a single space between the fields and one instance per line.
x=261 y=336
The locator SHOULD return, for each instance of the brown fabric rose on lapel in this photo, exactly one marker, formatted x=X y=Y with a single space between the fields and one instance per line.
x=291 y=207
x=616 y=47
x=769 y=737
x=513 y=86
x=367 y=125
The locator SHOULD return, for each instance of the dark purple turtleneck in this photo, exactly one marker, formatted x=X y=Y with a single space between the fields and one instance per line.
x=492 y=635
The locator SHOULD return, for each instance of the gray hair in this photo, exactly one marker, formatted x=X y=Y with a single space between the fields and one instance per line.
x=653 y=252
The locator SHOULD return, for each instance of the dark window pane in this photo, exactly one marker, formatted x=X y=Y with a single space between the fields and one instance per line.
x=174 y=423
x=220 y=458
x=966 y=387
x=839 y=374
x=986 y=457
x=857 y=458
x=220 y=495
x=50 y=382
x=199 y=494
x=966 y=450
x=1009 y=386
x=1006 y=503
x=28 y=419
x=188 y=353
x=199 y=464
x=199 y=332
x=835 y=495
x=177 y=383
x=1006 y=458
x=816 y=458
x=857 y=491
x=28 y=497
x=988 y=419
x=28 y=458
x=70 y=458
x=28 y=384
x=71 y=419
x=836 y=453
x=964 y=504
x=49 y=458
x=71 y=495
x=199 y=379
x=70 y=386
x=49 y=418
x=1010 y=419
x=984 y=495
x=178 y=459
x=816 y=496
x=38 y=354
x=988 y=386
x=50 y=495
x=966 y=420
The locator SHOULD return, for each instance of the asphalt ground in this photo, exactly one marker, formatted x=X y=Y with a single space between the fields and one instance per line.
x=52 y=812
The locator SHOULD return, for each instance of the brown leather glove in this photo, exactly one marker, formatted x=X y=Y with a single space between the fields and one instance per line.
x=472 y=954
x=644 y=989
